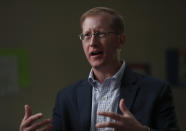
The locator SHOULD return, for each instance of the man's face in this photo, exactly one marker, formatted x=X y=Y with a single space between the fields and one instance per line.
x=100 y=52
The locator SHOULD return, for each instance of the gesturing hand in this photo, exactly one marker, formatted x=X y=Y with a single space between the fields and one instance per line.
x=124 y=122
x=30 y=123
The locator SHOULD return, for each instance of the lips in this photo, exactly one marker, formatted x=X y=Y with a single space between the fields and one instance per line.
x=96 y=53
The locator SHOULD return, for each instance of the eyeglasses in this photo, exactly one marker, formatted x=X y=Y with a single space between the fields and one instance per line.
x=88 y=36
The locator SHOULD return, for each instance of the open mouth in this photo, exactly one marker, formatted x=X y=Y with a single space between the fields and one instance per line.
x=95 y=53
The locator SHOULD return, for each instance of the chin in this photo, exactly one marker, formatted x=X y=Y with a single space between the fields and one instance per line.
x=96 y=64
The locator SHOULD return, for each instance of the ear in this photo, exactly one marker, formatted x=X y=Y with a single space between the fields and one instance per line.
x=122 y=39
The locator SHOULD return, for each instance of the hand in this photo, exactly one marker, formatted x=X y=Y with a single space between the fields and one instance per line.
x=124 y=122
x=30 y=123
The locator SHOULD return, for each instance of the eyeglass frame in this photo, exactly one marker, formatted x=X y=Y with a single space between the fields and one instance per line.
x=96 y=35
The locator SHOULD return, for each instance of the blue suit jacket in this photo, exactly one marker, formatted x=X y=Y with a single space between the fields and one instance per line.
x=149 y=100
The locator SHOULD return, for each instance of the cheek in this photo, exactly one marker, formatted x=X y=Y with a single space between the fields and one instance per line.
x=110 y=47
x=111 y=51
x=85 y=49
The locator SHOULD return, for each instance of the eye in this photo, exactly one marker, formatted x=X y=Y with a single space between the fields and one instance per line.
x=100 y=34
x=87 y=35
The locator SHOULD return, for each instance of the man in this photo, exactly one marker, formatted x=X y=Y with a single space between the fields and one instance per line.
x=113 y=97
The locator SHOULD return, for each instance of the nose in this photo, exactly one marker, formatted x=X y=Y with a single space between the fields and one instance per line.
x=92 y=41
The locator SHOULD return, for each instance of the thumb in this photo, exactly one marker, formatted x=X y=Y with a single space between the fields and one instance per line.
x=28 y=112
x=123 y=107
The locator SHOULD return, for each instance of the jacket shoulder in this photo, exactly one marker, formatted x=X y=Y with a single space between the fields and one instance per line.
x=148 y=80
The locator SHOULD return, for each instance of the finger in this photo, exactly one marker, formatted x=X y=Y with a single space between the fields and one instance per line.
x=107 y=124
x=122 y=106
x=43 y=123
x=28 y=112
x=112 y=115
x=31 y=119
x=46 y=128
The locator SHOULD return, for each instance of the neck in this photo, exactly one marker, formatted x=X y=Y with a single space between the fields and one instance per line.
x=107 y=71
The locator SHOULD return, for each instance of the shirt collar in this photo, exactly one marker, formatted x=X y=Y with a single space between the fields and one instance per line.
x=117 y=76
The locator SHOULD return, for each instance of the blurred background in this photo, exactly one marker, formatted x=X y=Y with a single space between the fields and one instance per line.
x=40 y=52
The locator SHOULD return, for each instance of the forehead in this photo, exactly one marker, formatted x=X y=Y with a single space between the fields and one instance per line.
x=97 y=22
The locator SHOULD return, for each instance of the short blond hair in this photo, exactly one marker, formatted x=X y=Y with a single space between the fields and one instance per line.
x=118 y=22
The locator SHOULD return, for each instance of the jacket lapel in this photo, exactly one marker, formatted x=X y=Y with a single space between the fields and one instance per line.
x=128 y=92
x=84 y=99
x=129 y=88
